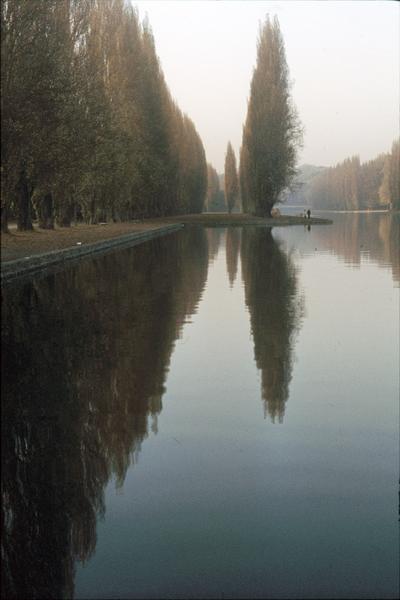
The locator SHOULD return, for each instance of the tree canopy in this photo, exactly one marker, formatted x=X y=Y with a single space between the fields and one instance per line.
x=89 y=128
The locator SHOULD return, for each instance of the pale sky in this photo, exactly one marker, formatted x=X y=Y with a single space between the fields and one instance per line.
x=343 y=59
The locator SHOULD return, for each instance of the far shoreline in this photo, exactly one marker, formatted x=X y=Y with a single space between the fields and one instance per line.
x=354 y=211
x=28 y=252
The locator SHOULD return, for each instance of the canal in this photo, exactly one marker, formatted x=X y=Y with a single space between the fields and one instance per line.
x=211 y=414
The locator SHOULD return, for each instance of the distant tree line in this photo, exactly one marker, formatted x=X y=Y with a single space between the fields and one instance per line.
x=351 y=185
x=89 y=128
x=389 y=190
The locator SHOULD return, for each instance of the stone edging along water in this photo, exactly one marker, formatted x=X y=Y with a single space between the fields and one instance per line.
x=15 y=269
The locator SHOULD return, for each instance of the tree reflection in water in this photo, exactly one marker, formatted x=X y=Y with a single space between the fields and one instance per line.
x=85 y=358
x=275 y=307
x=355 y=236
x=214 y=238
x=232 y=252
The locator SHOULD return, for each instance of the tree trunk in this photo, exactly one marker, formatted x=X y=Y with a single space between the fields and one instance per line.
x=24 y=214
x=46 y=212
x=75 y=214
x=65 y=212
x=4 y=204
x=264 y=212
x=65 y=217
x=4 y=219
x=93 y=216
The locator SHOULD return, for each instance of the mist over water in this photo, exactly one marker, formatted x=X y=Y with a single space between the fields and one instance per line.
x=211 y=413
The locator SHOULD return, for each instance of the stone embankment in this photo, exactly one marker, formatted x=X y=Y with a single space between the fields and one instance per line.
x=28 y=265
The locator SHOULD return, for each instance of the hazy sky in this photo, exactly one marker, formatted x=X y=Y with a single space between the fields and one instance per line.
x=343 y=59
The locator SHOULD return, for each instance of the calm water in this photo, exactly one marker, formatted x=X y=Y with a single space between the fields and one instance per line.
x=211 y=414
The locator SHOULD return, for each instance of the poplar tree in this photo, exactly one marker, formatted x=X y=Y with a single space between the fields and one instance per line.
x=231 y=178
x=272 y=130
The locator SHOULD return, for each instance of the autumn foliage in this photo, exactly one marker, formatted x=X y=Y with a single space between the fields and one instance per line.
x=90 y=131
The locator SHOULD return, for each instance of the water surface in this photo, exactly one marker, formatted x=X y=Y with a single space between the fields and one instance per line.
x=213 y=413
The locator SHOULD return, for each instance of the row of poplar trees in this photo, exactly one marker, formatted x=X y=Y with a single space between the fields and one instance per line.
x=89 y=129
x=351 y=185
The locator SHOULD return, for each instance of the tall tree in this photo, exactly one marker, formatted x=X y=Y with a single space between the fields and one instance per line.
x=31 y=93
x=272 y=130
x=231 y=178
